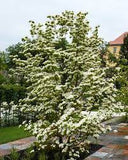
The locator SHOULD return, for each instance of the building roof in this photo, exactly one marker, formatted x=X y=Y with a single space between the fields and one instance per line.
x=119 y=40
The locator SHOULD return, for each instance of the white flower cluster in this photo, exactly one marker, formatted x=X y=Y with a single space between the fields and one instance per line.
x=66 y=82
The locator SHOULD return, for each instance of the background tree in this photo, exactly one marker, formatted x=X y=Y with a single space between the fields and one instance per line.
x=63 y=66
x=11 y=88
x=14 y=50
x=104 y=53
x=108 y=59
x=3 y=64
x=122 y=81
x=124 y=51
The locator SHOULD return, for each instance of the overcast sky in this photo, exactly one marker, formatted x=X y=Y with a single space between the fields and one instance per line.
x=111 y=15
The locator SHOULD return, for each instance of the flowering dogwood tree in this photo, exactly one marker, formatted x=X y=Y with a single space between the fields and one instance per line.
x=65 y=83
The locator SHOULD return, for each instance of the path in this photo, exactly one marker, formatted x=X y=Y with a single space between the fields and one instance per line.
x=19 y=145
x=115 y=144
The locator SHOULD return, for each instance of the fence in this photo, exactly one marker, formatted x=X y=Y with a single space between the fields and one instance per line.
x=11 y=115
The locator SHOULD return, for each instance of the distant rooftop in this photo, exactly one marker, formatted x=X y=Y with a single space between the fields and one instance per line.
x=119 y=40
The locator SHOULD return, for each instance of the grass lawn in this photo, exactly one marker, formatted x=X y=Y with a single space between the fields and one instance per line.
x=9 y=134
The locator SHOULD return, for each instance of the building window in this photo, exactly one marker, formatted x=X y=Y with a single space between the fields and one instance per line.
x=114 y=49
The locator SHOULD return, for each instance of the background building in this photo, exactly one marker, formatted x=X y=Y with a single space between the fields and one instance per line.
x=114 y=46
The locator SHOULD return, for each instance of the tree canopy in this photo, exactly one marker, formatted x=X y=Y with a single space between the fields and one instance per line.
x=62 y=66
x=122 y=81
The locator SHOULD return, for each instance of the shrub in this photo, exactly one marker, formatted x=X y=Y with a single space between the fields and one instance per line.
x=65 y=83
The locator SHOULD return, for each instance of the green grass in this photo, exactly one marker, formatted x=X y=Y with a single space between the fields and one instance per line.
x=9 y=134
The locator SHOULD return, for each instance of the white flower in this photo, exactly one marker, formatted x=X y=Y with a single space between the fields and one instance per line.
x=65 y=83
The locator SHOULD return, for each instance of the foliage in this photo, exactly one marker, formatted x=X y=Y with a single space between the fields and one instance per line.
x=12 y=88
x=108 y=59
x=2 y=61
x=41 y=155
x=112 y=58
x=11 y=115
x=65 y=84
x=14 y=155
x=124 y=51
x=14 y=50
x=8 y=93
x=11 y=92
x=103 y=52
x=122 y=81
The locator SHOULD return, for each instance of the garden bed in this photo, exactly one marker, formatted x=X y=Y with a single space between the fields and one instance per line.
x=25 y=154
x=39 y=155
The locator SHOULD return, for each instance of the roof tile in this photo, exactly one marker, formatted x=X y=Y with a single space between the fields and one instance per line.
x=119 y=40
